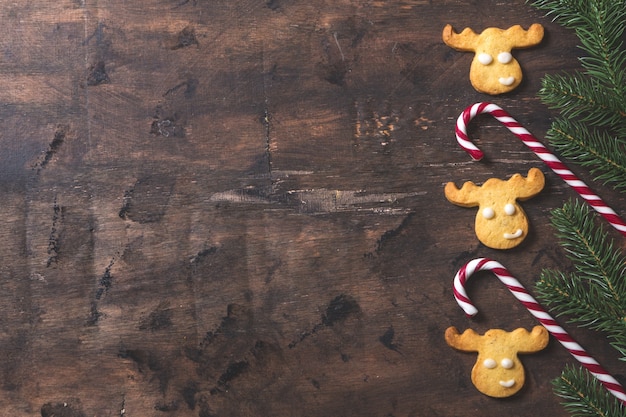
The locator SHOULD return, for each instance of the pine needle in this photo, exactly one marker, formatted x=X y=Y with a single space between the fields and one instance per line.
x=595 y=295
x=580 y=96
x=594 y=148
x=584 y=396
x=591 y=129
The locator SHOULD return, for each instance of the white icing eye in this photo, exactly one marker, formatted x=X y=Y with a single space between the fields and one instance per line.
x=484 y=58
x=489 y=363
x=488 y=213
x=504 y=57
x=509 y=209
x=506 y=363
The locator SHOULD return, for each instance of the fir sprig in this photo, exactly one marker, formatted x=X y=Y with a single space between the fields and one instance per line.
x=594 y=98
x=593 y=148
x=599 y=24
x=579 y=96
x=595 y=294
x=584 y=396
x=591 y=131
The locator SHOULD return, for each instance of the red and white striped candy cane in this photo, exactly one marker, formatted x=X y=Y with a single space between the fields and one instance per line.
x=540 y=150
x=484 y=264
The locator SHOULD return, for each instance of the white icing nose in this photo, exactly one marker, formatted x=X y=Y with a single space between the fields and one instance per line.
x=506 y=81
x=515 y=235
x=507 y=384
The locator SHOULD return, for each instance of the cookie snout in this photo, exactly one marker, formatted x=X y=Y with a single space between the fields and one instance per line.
x=498 y=378
x=492 y=76
x=501 y=226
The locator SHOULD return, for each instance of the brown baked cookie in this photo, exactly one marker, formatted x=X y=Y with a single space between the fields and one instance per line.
x=500 y=222
x=498 y=372
x=494 y=70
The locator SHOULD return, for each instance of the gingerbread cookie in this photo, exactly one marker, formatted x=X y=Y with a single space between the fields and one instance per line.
x=498 y=372
x=500 y=222
x=494 y=70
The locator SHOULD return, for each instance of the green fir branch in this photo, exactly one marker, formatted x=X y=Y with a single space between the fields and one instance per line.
x=568 y=296
x=579 y=96
x=591 y=129
x=584 y=396
x=589 y=247
x=595 y=295
x=599 y=24
x=593 y=148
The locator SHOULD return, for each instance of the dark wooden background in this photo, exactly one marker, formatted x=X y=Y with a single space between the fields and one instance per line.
x=235 y=208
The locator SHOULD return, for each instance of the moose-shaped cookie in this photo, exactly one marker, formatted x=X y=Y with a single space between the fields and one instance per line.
x=498 y=372
x=494 y=70
x=500 y=222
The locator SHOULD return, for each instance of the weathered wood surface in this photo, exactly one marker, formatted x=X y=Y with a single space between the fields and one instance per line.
x=235 y=208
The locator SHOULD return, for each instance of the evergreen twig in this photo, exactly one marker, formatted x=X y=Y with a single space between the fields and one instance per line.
x=591 y=131
x=585 y=396
x=595 y=295
x=592 y=148
x=599 y=24
x=579 y=96
x=592 y=102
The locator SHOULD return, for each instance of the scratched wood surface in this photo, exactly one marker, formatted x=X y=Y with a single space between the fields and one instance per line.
x=235 y=208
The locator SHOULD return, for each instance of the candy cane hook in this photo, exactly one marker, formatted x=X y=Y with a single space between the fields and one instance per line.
x=484 y=264
x=540 y=150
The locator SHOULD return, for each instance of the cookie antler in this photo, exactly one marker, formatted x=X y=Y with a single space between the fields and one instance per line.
x=467 y=40
x=468 y=341
x=530 y=342
x=466 y=196
x=521 y=38
x=530 y=186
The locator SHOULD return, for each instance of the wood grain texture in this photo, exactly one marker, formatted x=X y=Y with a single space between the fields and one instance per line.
x=235 y=208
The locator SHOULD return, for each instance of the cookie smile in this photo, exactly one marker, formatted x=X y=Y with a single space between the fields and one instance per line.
x=507 y=384
x=518 y=233
x=506 y=81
